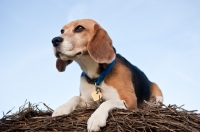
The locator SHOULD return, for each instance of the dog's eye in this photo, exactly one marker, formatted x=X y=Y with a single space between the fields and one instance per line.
x=79 y=28
x=62 y=31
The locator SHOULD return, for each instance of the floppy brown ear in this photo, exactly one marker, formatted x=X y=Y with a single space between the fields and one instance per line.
x=100 y=47
x=61 y=65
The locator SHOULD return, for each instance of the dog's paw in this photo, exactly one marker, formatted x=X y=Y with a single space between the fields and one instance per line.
x=97 y=120
x=68 y=107
x=62 y=110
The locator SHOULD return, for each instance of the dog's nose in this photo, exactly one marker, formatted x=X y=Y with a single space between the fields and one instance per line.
x=56 y=41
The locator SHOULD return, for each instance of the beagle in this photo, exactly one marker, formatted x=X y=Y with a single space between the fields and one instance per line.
x=108 y=78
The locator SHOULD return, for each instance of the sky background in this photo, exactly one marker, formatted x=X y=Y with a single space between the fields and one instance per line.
x=162 y=38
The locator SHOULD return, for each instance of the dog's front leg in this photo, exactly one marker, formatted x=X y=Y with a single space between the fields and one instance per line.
x=98 y=118
x=68 y=107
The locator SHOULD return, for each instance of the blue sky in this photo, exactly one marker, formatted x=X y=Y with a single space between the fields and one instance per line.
x=162 y=38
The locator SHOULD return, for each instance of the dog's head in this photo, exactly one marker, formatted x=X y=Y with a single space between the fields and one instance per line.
x=79 y=38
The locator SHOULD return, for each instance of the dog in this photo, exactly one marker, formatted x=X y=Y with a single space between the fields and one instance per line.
x=108 y=79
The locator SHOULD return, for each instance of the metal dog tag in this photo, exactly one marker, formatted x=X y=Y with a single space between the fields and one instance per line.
x=96 y=95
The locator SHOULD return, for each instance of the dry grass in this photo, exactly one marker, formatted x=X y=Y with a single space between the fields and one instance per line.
x=148 y=118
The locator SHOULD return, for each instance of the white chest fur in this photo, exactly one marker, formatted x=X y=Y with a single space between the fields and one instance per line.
x=108 y=92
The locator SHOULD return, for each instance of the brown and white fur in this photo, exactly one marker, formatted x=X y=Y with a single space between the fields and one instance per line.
x=87 y=43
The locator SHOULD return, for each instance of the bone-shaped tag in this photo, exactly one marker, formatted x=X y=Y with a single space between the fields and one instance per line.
x=96 y=96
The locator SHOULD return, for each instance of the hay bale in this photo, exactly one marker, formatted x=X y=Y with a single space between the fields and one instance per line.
x=148 y=118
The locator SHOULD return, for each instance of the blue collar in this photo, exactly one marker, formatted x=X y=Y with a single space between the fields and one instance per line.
x=102 y=76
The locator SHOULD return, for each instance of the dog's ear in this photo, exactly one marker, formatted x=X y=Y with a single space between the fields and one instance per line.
x=61 y=65
x=100 y=46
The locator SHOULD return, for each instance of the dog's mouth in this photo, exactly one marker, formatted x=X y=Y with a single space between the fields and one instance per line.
x=79 y=53
x=57 y=55
x=63 y=56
